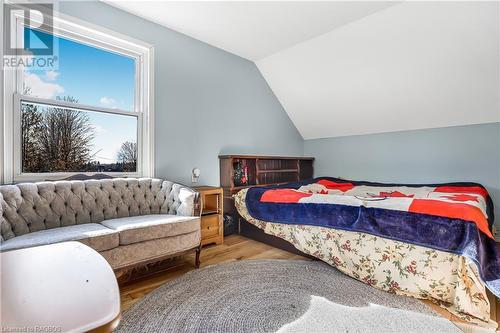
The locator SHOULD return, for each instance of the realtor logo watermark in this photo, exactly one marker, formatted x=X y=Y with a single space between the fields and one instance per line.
x=28 y=36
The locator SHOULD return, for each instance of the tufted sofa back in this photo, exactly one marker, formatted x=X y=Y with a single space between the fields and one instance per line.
x=31 y=207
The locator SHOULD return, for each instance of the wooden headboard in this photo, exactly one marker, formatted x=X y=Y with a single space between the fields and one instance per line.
x=241 y=171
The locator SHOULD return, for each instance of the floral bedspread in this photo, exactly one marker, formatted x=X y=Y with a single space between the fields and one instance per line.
x=450 y=280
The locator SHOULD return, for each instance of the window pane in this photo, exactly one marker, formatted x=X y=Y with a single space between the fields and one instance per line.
x=86 y=75
x=55 y=139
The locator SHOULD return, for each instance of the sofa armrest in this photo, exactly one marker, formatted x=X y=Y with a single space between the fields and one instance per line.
x=180 y=200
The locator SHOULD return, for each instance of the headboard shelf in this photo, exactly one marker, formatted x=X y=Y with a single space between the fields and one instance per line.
x=242 y=171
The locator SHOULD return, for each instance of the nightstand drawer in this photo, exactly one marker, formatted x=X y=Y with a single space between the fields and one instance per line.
x=209 y=225
x=212 y=208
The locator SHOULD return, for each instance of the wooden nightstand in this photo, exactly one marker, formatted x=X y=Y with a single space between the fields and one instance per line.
x=212 y=218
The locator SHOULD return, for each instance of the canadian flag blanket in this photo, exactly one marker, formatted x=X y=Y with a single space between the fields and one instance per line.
x=453 y=217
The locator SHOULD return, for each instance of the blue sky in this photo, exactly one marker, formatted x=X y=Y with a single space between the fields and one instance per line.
x=94 y=77
x=110 y=132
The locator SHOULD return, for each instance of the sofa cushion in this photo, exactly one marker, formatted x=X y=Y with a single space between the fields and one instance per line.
x=94 y=235
x=137 y=253
x=142 y=228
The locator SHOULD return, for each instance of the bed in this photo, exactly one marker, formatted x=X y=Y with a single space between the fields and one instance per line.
x=426 y=241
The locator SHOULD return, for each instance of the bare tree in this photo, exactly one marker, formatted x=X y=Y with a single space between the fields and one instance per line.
x=127 y=155
x=55 y=139
x=31 y=120
x=65 y=140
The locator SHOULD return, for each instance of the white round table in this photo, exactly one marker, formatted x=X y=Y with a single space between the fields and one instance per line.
x=64 y=287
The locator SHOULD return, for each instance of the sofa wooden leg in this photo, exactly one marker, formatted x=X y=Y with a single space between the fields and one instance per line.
x=197 y=257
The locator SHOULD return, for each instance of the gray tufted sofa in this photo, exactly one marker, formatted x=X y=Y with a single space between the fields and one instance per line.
x=129 y=221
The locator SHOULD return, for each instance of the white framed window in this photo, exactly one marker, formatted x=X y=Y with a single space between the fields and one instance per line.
x=92 y=114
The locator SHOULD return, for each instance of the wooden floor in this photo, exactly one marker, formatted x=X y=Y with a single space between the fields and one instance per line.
x=239 y=248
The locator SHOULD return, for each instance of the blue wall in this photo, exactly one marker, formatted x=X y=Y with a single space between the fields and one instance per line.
x=464 y=153
x=207 y=101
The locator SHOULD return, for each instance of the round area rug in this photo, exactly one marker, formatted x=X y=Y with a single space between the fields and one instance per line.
x=277 y=296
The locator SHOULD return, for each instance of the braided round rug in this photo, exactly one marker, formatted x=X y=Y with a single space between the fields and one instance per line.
x=277 y=296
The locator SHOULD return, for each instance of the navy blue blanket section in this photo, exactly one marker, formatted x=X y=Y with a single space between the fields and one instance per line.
x=440 y=233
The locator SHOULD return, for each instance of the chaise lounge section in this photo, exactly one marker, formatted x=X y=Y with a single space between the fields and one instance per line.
x=128 y=221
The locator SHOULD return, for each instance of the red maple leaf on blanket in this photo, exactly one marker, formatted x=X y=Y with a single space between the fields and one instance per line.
x=318 y=192
x=344 y=187
x=463 y=189
x=461 y=197
x=395 y=194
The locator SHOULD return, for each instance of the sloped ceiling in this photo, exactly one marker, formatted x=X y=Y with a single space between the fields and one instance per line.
x=350 y=68
x=251 y=29
x=411 y=66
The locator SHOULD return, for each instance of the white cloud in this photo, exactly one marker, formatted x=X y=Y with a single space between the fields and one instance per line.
x=51 y=75
x=41 y=88
x=107 y=101
x=99 y=129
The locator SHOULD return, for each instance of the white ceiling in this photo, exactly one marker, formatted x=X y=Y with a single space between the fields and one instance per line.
x=350 y=68
x=415 y=65
x=252 y=30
